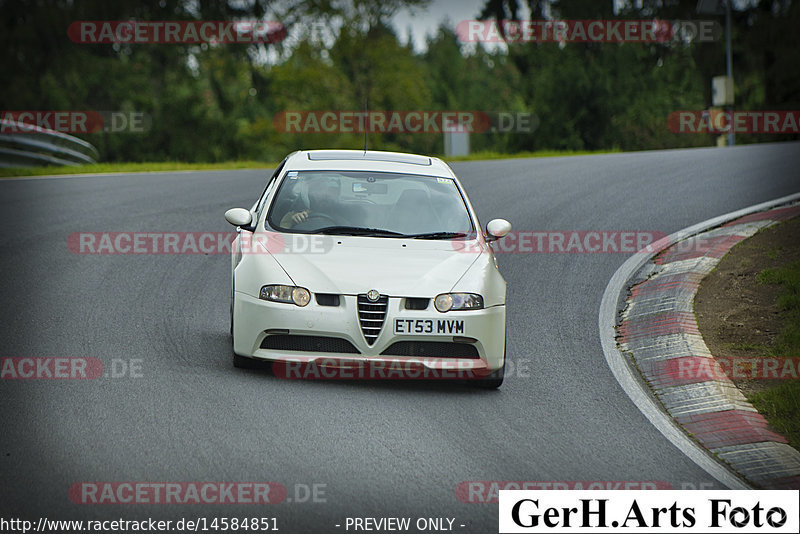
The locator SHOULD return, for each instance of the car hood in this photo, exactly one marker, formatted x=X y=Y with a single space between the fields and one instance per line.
x=395 y=267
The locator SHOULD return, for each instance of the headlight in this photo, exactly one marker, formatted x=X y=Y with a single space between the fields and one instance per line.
x=287 y=294
x=458 y=301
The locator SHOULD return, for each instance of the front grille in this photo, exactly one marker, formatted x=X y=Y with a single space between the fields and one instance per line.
x=431 y=349
x=371 y=316
x=308 y=344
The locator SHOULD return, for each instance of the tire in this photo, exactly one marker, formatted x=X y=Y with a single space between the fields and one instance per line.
x=232 y=293
x=495 y=379
x=242 y=362
x=492 y=381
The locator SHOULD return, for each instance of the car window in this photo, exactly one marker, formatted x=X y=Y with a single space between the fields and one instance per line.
x=406 y=204
x=270 y=183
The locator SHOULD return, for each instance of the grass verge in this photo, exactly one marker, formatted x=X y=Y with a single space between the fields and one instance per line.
x=748 y=308
x=484 y=155
x=781 y=404
x=163 y=166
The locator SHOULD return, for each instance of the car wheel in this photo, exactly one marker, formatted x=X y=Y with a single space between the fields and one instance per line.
x=241 y=362
x=493 y=380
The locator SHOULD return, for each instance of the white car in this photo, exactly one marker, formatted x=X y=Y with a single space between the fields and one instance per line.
x=354 y=257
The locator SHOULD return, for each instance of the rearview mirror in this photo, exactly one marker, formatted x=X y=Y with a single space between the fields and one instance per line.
x=497 y=228
x=238 y=216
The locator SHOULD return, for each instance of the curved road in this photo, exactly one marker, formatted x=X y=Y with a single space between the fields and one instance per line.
x=380 y=449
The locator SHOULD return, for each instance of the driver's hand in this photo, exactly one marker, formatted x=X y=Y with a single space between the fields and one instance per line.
x=297 y=218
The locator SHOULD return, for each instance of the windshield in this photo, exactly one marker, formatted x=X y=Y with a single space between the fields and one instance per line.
x=369 y=203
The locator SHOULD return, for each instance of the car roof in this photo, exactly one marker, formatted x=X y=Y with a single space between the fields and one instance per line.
x=369 y=160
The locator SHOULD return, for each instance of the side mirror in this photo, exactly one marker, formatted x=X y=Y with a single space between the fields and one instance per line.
x=497 y=229
x=238 y=217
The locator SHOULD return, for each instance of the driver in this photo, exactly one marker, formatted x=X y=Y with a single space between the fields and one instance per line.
x=323 y=196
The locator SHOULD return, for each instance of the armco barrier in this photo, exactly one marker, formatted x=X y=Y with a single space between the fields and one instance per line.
x=41 y=146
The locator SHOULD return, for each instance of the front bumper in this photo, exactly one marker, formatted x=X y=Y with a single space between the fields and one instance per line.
x=256 y=319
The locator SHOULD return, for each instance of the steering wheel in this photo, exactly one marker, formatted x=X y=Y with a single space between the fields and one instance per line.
x=305 y=224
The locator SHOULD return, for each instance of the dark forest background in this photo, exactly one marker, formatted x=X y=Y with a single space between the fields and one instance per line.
x=217 y=103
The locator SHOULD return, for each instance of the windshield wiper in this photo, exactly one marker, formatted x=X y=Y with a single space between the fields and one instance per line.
x=436 y=235
x=355 y=230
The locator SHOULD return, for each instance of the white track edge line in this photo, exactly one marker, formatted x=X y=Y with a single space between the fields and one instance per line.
x=633 y=384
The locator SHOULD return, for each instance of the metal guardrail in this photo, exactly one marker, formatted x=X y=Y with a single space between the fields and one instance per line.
x=32 y=146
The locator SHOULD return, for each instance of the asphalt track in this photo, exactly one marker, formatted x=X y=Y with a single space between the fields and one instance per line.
x=380 y=449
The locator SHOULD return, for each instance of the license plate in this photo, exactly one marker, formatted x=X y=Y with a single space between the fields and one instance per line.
x=429 y=326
